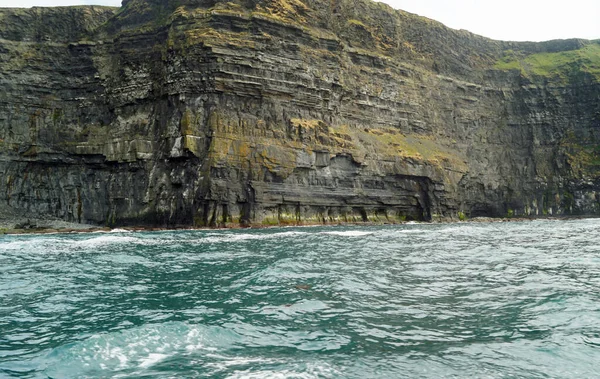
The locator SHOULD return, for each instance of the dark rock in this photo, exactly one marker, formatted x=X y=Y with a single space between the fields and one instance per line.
x=276 y=112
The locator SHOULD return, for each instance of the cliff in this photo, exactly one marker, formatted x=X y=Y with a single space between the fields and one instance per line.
x=206 y=113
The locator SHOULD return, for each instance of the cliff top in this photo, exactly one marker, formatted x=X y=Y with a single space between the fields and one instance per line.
x=367 y=26
x=379 y=29
x=56 y=24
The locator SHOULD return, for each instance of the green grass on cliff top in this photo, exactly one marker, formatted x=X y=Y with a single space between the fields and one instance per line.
x=560 y=65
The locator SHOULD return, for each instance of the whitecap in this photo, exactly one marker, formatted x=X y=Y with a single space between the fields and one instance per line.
x=31 y=244
x=138 y=347
x=410 y=231
x=349 y=233
x=239 y=237
x=289 y=234
x=152 y=359
x=308 y=370
x=106 y=240
x=231 y=238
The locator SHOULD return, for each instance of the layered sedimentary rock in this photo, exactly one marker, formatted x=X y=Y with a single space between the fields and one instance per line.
x=210 y=113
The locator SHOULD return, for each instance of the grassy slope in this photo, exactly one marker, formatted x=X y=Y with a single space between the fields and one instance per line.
x=560 y=66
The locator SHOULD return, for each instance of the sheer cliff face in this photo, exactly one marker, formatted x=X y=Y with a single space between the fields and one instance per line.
x=284 y=111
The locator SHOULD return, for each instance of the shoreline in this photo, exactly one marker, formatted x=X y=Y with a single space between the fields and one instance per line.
x=86 y=228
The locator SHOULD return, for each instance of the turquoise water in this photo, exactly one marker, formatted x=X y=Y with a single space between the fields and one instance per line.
x=489 y=300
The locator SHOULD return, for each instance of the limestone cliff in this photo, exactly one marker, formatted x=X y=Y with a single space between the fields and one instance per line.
x=199 y=112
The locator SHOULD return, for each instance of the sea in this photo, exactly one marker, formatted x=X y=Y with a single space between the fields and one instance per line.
x=459 y=300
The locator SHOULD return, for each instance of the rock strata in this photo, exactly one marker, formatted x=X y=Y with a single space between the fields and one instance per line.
x=205 y=113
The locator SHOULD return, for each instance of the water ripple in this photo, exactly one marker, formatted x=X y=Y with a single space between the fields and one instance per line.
x=460 y=300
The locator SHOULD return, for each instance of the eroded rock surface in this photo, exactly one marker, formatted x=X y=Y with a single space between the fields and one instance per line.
x=271 y=112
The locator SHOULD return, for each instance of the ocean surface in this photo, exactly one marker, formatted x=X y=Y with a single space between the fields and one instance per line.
x=478 y=300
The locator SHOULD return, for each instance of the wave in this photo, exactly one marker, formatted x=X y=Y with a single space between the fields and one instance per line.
x=300 y=371
x=349 y=233
x=107 y=240
x=134 y=351
x=117 y=230
x=137 y=348
x=409 y=231
x=128 y=238
x=237 y=237
x=31 y=244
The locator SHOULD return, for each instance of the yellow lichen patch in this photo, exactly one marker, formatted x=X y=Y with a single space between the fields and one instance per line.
x=307 y=130
x=186 y=123
x=194 y=144
x=306 y=124
x=318 y=134
x=246 y=143
x=241 y=149
x=187 y=13
x=279 y=159
x=409 y=46
x=240 y=142
x=222 y=150
x=220 y=38
x=341 y=139
x=356 y=22
x=323 y=54
x=390 y=143
x=258 y=152
x=284 y=10
x=225 y=151
x=213 y=122
x=231 y=6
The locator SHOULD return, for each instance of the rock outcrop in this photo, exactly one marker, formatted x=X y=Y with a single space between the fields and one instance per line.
x=206 y=113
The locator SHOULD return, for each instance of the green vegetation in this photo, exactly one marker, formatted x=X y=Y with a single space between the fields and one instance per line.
x=510 y=61
x=357 y=23
x=56 y=115
x=583 y=154
x=270 y=222
x=568 y=201
x=562 y=66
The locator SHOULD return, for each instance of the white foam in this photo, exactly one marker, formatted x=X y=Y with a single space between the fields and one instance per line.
x=349 y=233
x=117 y=230
x=106 y=240
x=140 y=347
x=230 y=238
x=15 y=245
x=31 y=244
x=224 y=362
x=289 y=234
x=305 y=371
x=464 y=229
x=409 y=231
x=237 y=237
x=120 y=355
x=152 y=359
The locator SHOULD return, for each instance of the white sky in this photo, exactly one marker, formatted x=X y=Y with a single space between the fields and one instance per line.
x=518 y=20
